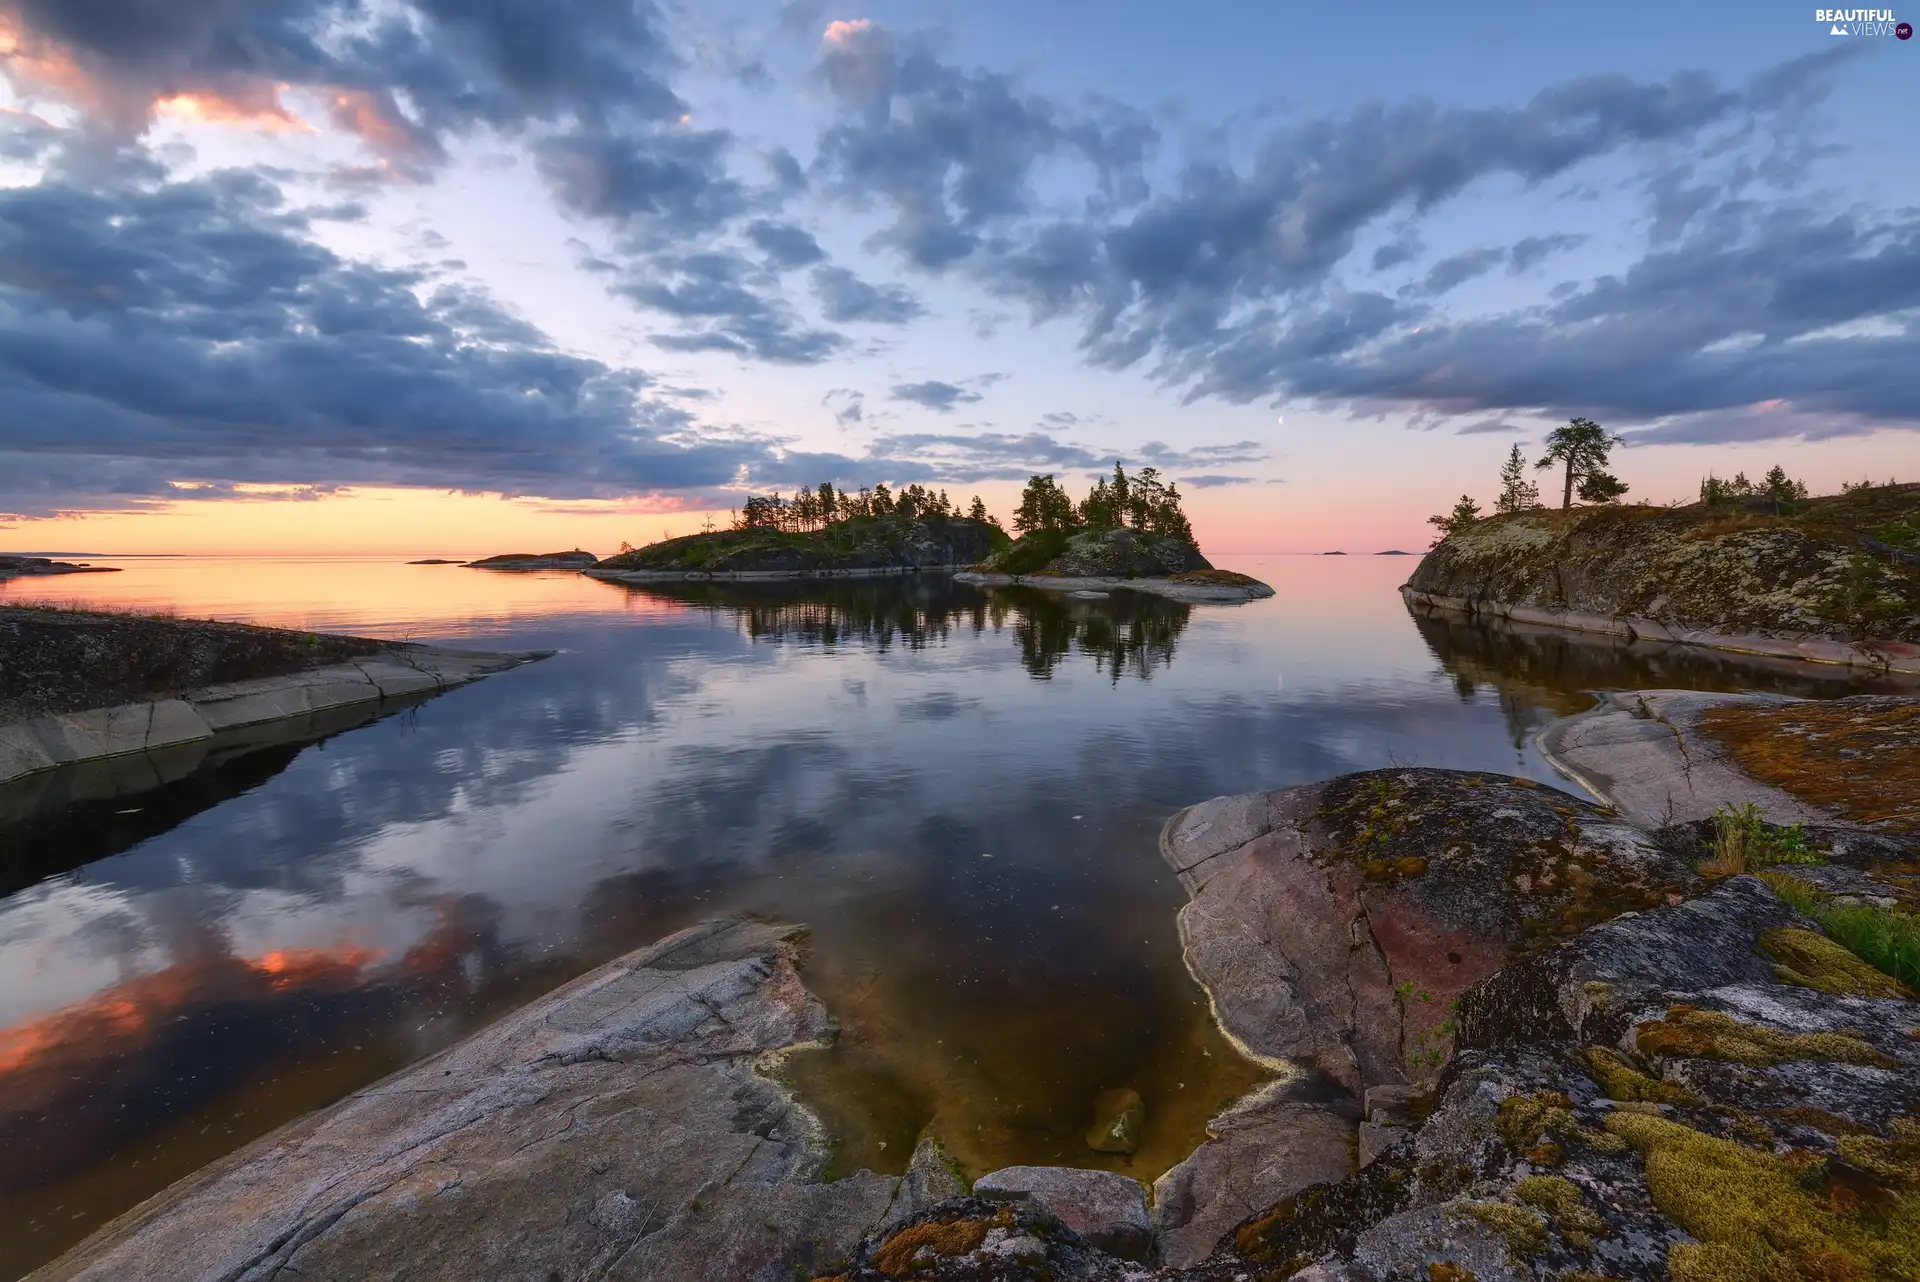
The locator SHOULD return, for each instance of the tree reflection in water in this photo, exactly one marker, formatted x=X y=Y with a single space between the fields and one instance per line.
x=1129 y=633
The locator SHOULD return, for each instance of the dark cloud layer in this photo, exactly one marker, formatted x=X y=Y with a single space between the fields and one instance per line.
x=194 y=331
x=934 y=395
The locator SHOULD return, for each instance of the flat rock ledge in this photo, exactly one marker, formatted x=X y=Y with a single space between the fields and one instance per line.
x=619 y=1128
x=1807 y=647
x=49 y=742
x=1191 y=593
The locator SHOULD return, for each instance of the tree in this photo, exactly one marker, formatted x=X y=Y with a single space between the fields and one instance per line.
x=1464 y=514
x=882 y=503
x=1098 y=511
x=1782 y=489
x=978 y=512
x=1601 y=487
x=1043 y=506
x=1580 y=446
x=1517 y=493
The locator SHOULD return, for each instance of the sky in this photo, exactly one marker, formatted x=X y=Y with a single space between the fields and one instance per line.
x=469 y=276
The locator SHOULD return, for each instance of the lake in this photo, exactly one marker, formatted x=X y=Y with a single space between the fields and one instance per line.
x=958 y=790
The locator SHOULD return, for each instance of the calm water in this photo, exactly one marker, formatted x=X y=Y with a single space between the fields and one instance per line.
x=958 y=790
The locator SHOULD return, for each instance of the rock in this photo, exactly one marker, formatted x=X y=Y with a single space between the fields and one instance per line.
x=1108 y=1210
x=864 y=547
x=1646 y=1098
x=1377 y=1137
x=617 y=1128
x=1334 y=924
x=932 y=1176
x=1118 y=1116
x=1257 y=1152
x=972 y=1239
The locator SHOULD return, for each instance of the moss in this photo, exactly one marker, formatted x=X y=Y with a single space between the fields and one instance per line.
x=897 y=1256
x=1814 y=961
x=1762 y=1215
x=1857 y=757
x=1526 y=1122
x=1448 y=1271
x=1525 y=1232
x=1622 y=1081
x=1560 y=1199
x=1708 y=1034
x=1410 y=865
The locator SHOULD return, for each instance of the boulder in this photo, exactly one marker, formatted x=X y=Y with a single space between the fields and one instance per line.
x=1108 y=1210
x=1334 y=925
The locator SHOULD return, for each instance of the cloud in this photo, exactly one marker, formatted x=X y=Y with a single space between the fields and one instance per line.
x=784 y=244
x=844 y=298
x=934 y=395
x=658 y=188
x=1403 y=248
x=1456 y=270
x=457 y=64
x=952 y=152
x=1532 y=249
x=1214 y=481
x=1797 y=306
x=192 y=331
x=848 y=406
x=1014 y=456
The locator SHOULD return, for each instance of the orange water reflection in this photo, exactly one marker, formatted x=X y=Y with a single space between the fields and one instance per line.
x=372 y=596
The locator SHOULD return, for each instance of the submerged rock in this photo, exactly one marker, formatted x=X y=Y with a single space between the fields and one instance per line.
x=1118 y=1117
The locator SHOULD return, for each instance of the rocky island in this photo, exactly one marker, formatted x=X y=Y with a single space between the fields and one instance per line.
x=22 y=566
x=574 y=560
x=1127 y=533
x=86 y=685
x=1834 y=579
x=819 y=534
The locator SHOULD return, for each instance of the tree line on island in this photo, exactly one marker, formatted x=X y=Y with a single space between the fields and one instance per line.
x=1142 y=502
x=823 y=505
x=1581 y=450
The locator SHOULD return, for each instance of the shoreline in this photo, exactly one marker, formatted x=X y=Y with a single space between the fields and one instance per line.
x=1190 y=593
x=36 y=744
x=765 y=576
x=1877 y=656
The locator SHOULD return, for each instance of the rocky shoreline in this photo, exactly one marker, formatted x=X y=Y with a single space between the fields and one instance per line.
x=1521 y=1035
x=80 y=686
x=768 y=576
x=25 y=566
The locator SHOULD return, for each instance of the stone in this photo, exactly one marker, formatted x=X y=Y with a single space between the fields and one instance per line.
x=1334 y=925
x=1264 y=1148
x=1108 y=1210
x=619 y=1128
x=971 y=1239
x=1118 y=1117
x=1377 y=1137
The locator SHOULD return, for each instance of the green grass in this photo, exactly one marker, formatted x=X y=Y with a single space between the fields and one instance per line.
x=1884 y=938
x=1744 y=842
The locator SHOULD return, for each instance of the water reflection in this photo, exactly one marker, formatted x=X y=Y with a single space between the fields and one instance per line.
x=1125 y=634
x=973 y=848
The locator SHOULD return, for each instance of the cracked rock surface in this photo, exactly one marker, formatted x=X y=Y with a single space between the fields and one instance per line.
x=617 y=1128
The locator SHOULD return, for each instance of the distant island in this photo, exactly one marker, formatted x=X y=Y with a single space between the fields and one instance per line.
x=437 y=560
x=1128 y=532
x=1333 y=554
x=1393 y=552
x=820 y=532
x=574 y=560
x=12 y=566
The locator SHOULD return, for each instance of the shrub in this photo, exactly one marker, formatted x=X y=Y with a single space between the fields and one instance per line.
x=1744 y=842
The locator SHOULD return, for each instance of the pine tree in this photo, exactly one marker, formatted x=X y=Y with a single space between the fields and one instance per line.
x=1043 y=506
x=1517 y=493
x=1464 y=514
x=1580 y=446
x=978 y=512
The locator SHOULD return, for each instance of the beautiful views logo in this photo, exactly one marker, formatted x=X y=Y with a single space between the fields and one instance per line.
x=1863 y=22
